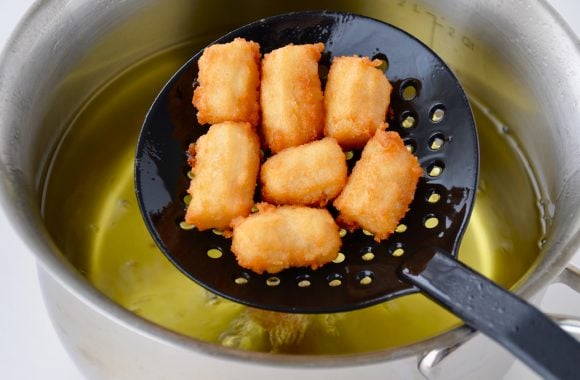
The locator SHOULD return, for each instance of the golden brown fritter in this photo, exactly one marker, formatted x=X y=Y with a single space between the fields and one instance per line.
x=356 y=99
x=229 y=80
x=277 y=238
x=291 y=96
x=309 y=174
x=381 y=186
x=227 y=160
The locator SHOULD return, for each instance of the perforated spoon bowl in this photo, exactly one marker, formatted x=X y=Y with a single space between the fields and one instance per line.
x=431 y=112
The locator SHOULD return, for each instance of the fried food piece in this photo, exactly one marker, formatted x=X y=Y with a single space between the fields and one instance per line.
x=291 y=96
x=229 y=80
x=356 y=99
x=227 y=160
x=381 y=187
x=277 y=238
x=309 y=174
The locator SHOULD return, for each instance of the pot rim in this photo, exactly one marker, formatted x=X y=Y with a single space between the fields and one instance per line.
x=27 y=222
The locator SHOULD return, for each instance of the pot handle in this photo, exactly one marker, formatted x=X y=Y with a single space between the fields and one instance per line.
x=569 y=324
x=444 y=362
x=570 y=277
x=507 y=319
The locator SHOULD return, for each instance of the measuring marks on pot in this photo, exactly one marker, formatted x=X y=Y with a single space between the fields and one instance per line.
x=436 y=26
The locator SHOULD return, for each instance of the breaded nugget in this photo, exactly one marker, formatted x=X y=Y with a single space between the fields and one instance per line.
x=227 y=160
x=381 y=187
x=309 y=174
x=229 y=80
x=356 y=99
x=277 y=238
x=291 y=96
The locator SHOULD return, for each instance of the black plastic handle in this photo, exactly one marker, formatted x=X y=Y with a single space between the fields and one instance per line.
x=518 y=326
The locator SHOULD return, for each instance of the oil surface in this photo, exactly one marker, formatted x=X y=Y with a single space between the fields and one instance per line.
x=92 y=214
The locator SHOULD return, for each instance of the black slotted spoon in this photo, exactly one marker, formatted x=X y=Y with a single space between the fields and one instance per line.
x=431 y=112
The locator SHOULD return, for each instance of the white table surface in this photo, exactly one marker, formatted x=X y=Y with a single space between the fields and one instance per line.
x=29 y=347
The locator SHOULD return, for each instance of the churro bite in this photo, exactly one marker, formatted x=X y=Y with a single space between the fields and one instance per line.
x=356 y=99
x=309 y=174
x=291 y=96
x=226 y=162
x=276 y=238
x=229 y=80
x=381 y=186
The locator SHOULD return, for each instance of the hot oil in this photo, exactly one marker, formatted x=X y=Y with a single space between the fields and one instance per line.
x=92 y=213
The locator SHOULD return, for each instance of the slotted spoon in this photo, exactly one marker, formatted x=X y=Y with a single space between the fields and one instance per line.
x=432 y=114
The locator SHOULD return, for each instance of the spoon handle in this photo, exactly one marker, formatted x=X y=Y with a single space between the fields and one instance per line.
x=515 y=324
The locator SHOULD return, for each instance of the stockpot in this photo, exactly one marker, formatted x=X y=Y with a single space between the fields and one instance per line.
x=517 y=55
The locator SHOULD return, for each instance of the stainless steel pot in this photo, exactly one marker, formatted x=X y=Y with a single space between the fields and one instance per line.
x=527 y=72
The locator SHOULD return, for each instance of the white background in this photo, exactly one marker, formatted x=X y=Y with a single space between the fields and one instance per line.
x=29 y=347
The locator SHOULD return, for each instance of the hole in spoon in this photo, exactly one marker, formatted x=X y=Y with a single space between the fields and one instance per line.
x=437 y=113
x=408 y=120
x=368 y=256
x=409 y=90
x=340 y=257
x=401 y=228
x=431 y=221
x=304 y=281
x=397 y=250
x=410 y=144
x=334 y=280
x=242 y=279
x=436 y=142
x=384 y=61
x=365 y=277
x=433 y=196
x=214 y=253
x=273 y=281
x=435 y=169
x=186 y=226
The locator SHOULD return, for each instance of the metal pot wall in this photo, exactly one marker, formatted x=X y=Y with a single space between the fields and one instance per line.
x=63 y=52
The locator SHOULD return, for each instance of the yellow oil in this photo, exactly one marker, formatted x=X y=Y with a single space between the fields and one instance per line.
x=91 y=212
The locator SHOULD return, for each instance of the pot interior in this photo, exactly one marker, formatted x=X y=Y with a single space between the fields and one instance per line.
x=90 y=210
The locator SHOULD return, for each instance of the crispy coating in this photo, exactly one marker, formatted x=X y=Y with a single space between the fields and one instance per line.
x=227 y=160
x=381 y=187
x=277 y=238
x=291 y=96
x=229 y=80
x=311 y=174
x=356 y=99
